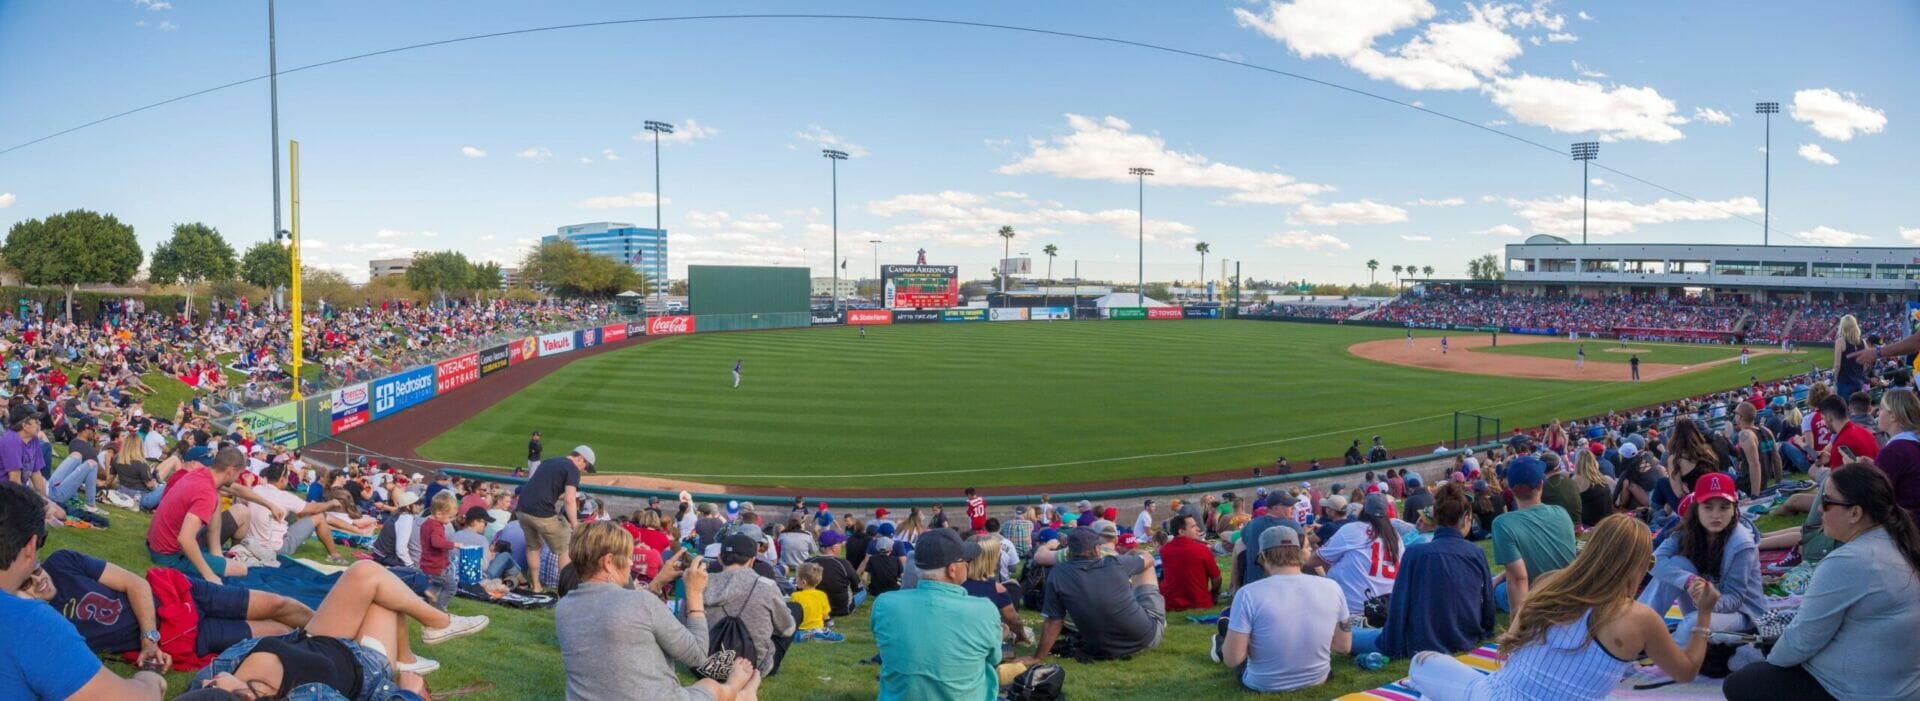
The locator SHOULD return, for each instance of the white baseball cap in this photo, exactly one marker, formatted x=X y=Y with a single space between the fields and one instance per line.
x=585 y=453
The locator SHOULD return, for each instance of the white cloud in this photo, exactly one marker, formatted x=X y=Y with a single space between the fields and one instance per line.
x=826 y=139
x=1336 y=28
x=965 y=219
x=1829 y=236
x=1336 y=213
x=1012 y=195
x=168 y=25
x=534 y=152
x=608 y=154
x=1836 y=115
x=1502 y=230
x=1708 y=114
x=1583 y=15
x=1617 y=113
x=1912 y=235
x=1445 y=55
x=1416 y=239
x=155 y=5
x=472 y=152
x=6 y=200
x=1448 y=202
x=1306 y=241
x=1562 y=38
x=585 y=160
x=636 y=200
x=1603 y=184
x=1586 y=72
x=1814 y=153
x=1610 y=217
x=753 y=223
x=1104 y=149
x=687 y=131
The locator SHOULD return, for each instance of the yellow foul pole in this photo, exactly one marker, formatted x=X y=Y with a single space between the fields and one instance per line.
x=293 y=255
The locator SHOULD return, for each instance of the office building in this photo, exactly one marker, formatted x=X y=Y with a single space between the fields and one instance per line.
x=643 y=248
x=388 y=266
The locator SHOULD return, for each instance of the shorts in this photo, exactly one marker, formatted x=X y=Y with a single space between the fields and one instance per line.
x=1148 y=596
x=180 y=562
x=223 y=616
x=552 y=531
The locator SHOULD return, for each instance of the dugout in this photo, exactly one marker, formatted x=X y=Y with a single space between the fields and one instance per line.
x=742 y=297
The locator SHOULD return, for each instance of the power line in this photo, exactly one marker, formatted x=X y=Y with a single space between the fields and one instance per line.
x=878 y=18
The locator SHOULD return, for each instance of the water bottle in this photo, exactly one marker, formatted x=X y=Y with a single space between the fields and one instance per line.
x=1372 y=661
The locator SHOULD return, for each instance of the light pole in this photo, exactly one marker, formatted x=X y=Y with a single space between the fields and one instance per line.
x=876 y=267
x=273 y=109
x=1584 y=152
x=834 y=292
x=1766 y=208
x=660 y=283
x=1141 y=175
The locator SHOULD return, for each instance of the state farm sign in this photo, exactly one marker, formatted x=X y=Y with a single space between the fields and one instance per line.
x=453 y=373
x=875 y=317
x=669 y=325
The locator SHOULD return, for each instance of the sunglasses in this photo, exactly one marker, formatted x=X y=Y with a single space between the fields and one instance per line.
x=1835 y=503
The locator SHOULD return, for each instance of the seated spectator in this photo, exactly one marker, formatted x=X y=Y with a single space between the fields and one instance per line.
x=185 y=519
x=399 y=541
x=1595 y=488
x=1532 y=540
x=1418 y=498
x=1899 y=418
x=1855 y=627
x=1114 y=601
x=77 y=476
x=1847 y=437
x=621 y=643
x=738 y=591
x=347 y=646
x=1445 y=597
x=1019 y=530
x=1191 y=575
x=1712 y=543
x=1247 y=568
x=814 y=615
x=1364 y=558
x=881 y=568
x=1559 y=488
x=984 y=581
x=94 y=594
x=267 y=536
x=935 y=641
x=838 y=580
x=1281 y=631
x=1580 y=631
x=796 y=546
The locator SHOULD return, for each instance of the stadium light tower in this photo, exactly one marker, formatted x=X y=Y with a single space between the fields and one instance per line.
x=1141 y=175
x=1766 y=208
x=658 y=128
x=834 y=292
x=1584 y=152
x=273 y=110
x=876 y=264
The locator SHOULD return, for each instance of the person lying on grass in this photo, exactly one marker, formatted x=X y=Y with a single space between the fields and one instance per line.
x=347 y=647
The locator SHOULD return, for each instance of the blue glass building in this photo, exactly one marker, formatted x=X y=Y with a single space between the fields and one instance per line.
x=643 y=248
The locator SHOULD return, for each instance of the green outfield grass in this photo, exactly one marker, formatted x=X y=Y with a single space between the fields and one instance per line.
x=951 y=405
x=1609 y=351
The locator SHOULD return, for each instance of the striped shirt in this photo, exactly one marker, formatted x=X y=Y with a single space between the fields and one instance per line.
x=1567 y=663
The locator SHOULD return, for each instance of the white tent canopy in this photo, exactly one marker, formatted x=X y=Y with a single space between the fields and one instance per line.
x=1128 y=299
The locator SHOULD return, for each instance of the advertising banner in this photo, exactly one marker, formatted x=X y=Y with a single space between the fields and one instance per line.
x=556 y=343
x=1533 y=330
x=316 y=419
x=396 y=393
x=1007 y=314
x=636 y=329
x=669 y=325
x=916 y=316
x=454 y=373
x=613 y=332
x=1164 y=313
x=947 y=315
x=828 y=320
x=1126 y=312
x=494 y=359
x=586 y=338
x=869 y=317
x=523 y=350
x=275 y=424
x=350 y=408
x=1050 y=313
x=1201 y=312
x=919 y=286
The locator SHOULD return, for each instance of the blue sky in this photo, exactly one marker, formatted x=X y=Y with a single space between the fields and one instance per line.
x=483 y=146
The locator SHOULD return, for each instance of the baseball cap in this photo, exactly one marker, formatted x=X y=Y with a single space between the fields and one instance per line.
x=586 y=454
x=1068 y=518
x=406 y=499
x=823 y=506
x=1279 y=535
x=477 y=513
x=831 y=538
x=1127 y=542
x=1715 y=485
x=881 y=545
x=752 y=531
x=1106 y=529
x=1597 y=448
x=740 y=544
x=1082 y=540
x=880 y=512
x=1526 y=471
x=1334 y=502
x=886 y=528
x=1413 y=479
x=1375 y=506
x=1628 y=450
x=1083 y=505
x=1111 y=513
x=1046 y=534
x=733 y=507
x=200 y=454
x=1260 y=492
x=941 y=547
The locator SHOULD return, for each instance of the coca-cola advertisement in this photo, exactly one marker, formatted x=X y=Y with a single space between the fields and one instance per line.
x=457 y=372
x=615 y=332
x=524 y=350
x=870 y=317
x=669 y=325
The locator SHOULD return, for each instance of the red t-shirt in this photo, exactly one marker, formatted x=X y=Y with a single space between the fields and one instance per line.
x=1189 y=566
x=436 y=549
x=188 y=492
x=656 y=539
x=977 y=513
x=1856 y=439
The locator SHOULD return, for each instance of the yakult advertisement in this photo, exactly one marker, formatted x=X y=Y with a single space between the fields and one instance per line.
x=556 y=343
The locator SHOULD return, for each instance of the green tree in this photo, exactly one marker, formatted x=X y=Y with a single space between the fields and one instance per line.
x=565 y=270
x=1486 y=267
x=1372 y=265
x=486 y=277
x=1202 y=248
x=1006 y=249
x=71 y=249
x=440 y=272
x=1050 y=251
x=1396 y=274
x=324 y=285
x=196 y=253
x=1427 y=270
x=267 y=265
x=677 y=288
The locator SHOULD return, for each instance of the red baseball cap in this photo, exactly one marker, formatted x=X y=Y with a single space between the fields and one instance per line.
x=880 y=512
x=1715 y=485
x=1127 y=541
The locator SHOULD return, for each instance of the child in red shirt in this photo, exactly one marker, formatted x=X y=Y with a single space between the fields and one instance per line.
x=436 y=551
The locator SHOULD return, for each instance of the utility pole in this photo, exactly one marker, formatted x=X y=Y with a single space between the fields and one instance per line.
x=273 y=103
x=659 y=256
x=1766 y=209
x=1584 y=152
x=834 y=292
x=1141 y=175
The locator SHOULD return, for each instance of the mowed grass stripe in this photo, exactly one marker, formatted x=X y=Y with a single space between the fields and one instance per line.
x=1607 y=351
x=826 y=407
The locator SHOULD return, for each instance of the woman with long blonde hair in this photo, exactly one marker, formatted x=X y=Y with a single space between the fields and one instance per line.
x=1596 y=488
x=983 y=581
x=1581 y=630
x=1849 y=376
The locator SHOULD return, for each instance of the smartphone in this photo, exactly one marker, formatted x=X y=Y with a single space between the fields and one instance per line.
x=1845 y=453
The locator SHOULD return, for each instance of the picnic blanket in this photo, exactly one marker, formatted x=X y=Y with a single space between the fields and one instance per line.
x=292 y=579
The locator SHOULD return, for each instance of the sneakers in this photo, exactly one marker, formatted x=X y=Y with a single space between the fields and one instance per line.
x=419 y=665
x=822 y=636
x=1213 y=650
x=457 y=626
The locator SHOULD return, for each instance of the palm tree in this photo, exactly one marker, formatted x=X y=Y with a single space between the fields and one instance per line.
x=1428 y=269
x=1202 y=248
x=1396 y=274
x=1050 y=251
x=1006 y=249
x=1372 y=265
x=1412 y=270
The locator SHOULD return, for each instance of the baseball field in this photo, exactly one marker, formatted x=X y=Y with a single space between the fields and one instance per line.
x=1038 y=403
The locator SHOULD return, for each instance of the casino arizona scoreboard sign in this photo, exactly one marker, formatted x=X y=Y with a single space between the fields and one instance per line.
x=919 y=286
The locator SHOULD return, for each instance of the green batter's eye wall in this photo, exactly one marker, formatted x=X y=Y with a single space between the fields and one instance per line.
x=739 y=297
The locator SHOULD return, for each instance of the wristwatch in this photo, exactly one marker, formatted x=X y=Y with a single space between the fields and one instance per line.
x=152 y=636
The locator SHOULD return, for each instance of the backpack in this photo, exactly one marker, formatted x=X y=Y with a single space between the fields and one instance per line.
x=1033 y=581
x=731 y=634
x=1041 y=682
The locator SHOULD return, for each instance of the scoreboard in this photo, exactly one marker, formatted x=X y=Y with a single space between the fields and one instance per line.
x=920 y=286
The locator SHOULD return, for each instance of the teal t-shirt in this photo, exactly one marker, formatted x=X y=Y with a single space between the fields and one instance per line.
x=936 y=642
x=1541 y=535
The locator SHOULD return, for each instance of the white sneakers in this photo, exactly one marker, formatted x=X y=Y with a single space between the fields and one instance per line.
x=419 y=665
x=457 y=626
